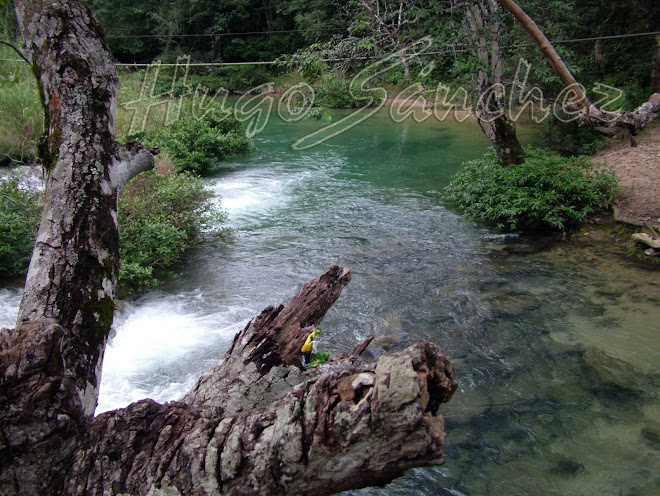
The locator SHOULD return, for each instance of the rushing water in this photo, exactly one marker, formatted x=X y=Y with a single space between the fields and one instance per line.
x=555 y=345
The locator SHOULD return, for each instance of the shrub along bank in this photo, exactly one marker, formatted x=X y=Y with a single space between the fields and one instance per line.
x=546 y=192
x=161 y=217
x=194 y=145
x=20 y=210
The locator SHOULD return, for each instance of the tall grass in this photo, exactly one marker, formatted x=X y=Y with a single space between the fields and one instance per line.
x=21 y=116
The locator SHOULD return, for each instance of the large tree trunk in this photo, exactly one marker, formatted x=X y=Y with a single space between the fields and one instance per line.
x=482 y=21
x=256 y=424
x=633 y=122
x=75 y=261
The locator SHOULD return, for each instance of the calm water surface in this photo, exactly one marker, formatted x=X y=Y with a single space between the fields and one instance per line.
x=555 y=346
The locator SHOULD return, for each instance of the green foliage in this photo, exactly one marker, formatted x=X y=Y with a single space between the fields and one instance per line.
x=242 y=77
x=20 y=210
x=546 y=192
x=199 y=21
x=195 y=144
x=160 y=218
x=568 y=138
x=21 y=114
x=235 y=79
x=333 y=91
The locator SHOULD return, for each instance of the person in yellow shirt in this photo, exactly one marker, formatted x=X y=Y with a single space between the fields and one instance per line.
x=306 y=349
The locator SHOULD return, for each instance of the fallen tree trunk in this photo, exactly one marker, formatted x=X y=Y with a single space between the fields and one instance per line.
x=351 y=427
x=279 y=430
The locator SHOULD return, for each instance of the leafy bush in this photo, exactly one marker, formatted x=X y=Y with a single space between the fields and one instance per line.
x=160 y=218
x=20 y=210
x=546 y=192
x=194 y=145
x=334 y=92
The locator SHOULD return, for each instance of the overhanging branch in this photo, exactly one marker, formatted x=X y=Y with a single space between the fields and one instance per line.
x=633 y=122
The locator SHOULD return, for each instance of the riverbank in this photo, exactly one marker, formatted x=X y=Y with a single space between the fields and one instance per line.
x=638 y=170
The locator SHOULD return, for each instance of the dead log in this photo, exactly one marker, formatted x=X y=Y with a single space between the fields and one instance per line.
x=347 y=428
x=264 y=358
x=254 y=425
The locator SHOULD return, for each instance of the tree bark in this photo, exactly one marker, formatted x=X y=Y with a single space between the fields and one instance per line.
x=75 y=262
x=256 y=424
x=633 y=122
x=491 y=109
x=348 y=427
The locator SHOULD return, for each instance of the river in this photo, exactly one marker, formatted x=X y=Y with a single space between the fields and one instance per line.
x=555 y=345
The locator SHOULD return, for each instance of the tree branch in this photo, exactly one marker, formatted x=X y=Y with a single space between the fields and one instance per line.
x=633 y=122
x=133 y=159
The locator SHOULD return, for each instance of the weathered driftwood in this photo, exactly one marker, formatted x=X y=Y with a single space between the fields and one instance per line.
x=253 y=425
x=647 y=239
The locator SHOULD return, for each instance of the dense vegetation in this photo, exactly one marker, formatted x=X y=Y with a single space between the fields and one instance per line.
x=161 y=216
x=194 y=145
x=326 y=44
x=546 y=192
x=20 y=211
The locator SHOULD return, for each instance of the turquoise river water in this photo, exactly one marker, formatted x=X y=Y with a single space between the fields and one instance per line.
x=556 y=346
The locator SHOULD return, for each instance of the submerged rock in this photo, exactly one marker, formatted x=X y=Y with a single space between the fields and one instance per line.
x=615 y=371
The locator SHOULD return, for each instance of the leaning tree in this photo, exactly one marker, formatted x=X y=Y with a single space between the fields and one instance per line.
x=256 y=423
x=591 y=116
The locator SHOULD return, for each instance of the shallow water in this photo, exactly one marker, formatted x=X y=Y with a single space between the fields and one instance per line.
x=555 y=345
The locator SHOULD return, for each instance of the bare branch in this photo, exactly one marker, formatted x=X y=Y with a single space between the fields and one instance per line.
x=16 y=49
x=133 y=159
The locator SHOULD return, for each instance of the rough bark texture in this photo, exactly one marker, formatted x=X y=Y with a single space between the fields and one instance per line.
x=256 y=424
x=633 y=122
x=482 y=20
x=356 y=425
x=253 y=425
x=264 y=358
x=41 y=417
x=75 y=262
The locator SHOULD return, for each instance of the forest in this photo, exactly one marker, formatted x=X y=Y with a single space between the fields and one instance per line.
x=171 y=171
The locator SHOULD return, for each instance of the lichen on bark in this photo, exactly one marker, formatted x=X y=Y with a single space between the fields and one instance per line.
x=255 y=424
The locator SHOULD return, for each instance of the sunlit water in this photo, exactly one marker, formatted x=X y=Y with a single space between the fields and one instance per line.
x=555 y=346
